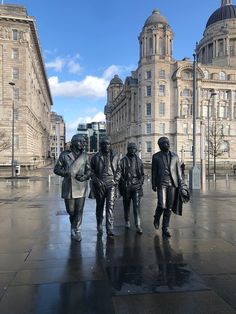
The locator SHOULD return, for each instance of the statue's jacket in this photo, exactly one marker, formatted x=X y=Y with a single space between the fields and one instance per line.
x=71 y=187
x=125 y=173
x=158 y=172
x=97 y=165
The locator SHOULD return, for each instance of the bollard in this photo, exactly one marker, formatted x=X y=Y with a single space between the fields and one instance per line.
x=227 y=177
x=214 y=176
x=49 y=179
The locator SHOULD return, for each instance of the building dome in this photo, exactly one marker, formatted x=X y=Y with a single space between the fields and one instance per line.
x=116 y=80
x=223 y=13
x=155 y=18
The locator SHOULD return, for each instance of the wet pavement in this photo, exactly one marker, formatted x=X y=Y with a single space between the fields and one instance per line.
x=42 y=271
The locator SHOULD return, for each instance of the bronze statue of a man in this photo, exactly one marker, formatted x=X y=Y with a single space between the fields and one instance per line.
x=73 y=165
x=105 y=169
x=166 y=178
x=130 y=185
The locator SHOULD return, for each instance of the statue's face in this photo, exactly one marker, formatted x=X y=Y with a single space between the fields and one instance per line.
x=105 y=146
x=164 y=145
x=78 y=145
x=132 y=150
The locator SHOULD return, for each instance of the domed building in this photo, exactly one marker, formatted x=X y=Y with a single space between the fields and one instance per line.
x=157 y=99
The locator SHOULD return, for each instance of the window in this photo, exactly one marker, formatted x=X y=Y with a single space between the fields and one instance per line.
x=15 y=73
x=185 y=128
x=162 y=74
x=227 y=130
x=186 y=75
x=149 y=90
x=16 y=114
x=186 y=92
x=161 y=47
x=162 y=128
x=15 y=34
x=148 y=128
x=206 y=74
x=15 y=53
x=149 y=75
x=149 y=147
x=148 y=109
x=162 y=90
x=16 y=94
x=150 y=45
x=162 y=108
x=222 y=76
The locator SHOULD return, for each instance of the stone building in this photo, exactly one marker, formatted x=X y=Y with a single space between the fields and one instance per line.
x=21 y=63
x=92 y=132
x=57 y=135
x=156 y=100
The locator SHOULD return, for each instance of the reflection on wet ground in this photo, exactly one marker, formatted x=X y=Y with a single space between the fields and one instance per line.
x=42 y=271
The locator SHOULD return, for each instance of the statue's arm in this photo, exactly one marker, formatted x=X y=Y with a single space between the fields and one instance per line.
x=154 y=170
x=60 y=167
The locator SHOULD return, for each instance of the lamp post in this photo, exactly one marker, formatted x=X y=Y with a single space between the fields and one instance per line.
x=208 y=132
x=194 y=178
x=13 y=129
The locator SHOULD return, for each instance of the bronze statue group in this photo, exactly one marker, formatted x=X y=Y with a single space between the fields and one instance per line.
x=110 y=174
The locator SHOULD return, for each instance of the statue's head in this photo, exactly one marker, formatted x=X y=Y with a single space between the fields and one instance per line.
x=131 y=149
x=77 y=142
x=105 y=144
x=164 y=144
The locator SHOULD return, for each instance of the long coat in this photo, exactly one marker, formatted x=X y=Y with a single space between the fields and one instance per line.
x=158 y=172
x=66 y=163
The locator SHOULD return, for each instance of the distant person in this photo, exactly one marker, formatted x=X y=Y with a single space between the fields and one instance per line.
x=131 y=181
x=166 y=178
x=105 y=174
x=73 y=165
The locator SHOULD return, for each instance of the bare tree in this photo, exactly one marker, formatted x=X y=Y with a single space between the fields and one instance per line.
x=217 y=144
x=5 y=141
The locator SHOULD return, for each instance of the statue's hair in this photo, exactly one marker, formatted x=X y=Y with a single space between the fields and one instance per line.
x=77 y=137
x=162 y=139
x=132 y=144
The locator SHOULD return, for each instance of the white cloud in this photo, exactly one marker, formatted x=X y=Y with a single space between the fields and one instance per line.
x=90 y=86
x=57 y=64
x=74 y=67
x=111 y=71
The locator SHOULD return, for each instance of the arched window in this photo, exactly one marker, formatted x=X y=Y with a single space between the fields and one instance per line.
x=162 y=74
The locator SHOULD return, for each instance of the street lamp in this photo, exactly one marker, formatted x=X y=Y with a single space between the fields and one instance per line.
x=208 y=132
x=13 y=129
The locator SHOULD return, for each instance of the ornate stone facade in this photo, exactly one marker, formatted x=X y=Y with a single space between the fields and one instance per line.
x=21 y=63
x=156 y=100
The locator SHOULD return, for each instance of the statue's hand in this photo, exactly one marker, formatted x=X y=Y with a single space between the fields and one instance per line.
x=81 y=178
x=184 y=192
x=154 y=188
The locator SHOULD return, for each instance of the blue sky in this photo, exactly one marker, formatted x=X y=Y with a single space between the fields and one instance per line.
x=85 y=43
